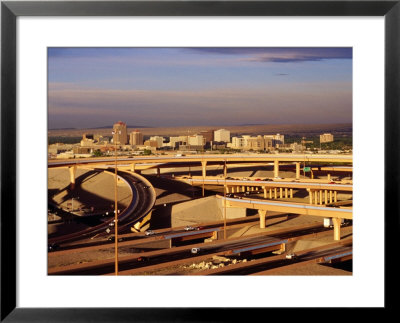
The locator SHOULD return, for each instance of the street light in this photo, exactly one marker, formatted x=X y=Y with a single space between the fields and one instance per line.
x=116 y=205
x=225 y=199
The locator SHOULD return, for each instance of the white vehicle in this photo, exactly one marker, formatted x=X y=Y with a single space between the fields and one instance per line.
x=149 y=232
x=195 y=250
x=291 y=256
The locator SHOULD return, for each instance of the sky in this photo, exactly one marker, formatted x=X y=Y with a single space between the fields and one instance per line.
x=168 y=87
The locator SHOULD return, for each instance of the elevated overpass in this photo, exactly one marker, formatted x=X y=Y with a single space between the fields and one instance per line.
x=202 y=160
x=336 y=213
x=315 y=189
x=319 y=193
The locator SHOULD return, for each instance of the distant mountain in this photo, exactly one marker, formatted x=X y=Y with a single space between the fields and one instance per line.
x=110 y=127
x=249 y=125
x=101 y=127
x=128 y=126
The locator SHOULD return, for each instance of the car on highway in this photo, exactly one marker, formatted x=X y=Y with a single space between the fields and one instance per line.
x=195 y=250
x=53 y=247
x=188 y=228
x=149 y=232
x=143 y=258
x=291 y=256
x=112 y=238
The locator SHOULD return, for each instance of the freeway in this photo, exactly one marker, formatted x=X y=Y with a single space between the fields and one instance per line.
x=140 y=261
x=212 y=158
x=297 y=208
x=269 y=183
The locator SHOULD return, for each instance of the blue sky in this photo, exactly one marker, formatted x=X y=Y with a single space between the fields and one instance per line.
x=93 y=87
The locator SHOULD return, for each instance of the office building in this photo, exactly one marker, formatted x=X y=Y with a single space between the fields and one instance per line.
x=120 y=136
x=208 y=135
x=196 y=140
x=159 y=140
x=136 y=138
x=222 y=135
x=326 y=137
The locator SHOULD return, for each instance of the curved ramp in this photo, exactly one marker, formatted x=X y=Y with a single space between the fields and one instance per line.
x=143 y=200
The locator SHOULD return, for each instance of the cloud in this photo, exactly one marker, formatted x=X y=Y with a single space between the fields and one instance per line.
x=281 y=54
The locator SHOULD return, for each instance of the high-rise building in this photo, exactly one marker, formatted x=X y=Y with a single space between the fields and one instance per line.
x=120 y=136
x=222 y=135
x=136 y=138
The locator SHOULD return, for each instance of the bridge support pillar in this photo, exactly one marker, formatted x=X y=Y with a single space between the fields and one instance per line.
x=291 y=193
x=276 y=168
x=320 y=197
x=275 y=193
x=329 y=177
x=316 y=197
x=310 y=195
x=265 y=192
x=297 y=170
x=203 y=168
x=286 y=193
x=335 y=196
x=270 y=193
x=330 y=196
x=336 y=228
x=72 y=175
x=280 y=192
x=262 y=214
x=133 y=166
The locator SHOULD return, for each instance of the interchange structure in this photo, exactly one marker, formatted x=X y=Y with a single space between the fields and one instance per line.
x=322 y=193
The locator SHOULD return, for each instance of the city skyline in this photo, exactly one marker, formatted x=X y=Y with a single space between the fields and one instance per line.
x=155 y=87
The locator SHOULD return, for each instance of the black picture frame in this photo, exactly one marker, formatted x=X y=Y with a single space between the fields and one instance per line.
x=10 y=10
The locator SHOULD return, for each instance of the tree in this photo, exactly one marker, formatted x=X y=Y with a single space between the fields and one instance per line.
x=97 y=153
x=146 y=152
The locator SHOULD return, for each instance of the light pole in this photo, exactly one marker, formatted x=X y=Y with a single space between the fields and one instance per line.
x=225 y=199
x=116 y=204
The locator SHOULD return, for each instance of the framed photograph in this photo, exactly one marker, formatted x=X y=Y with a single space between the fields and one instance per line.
x=195 y=85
